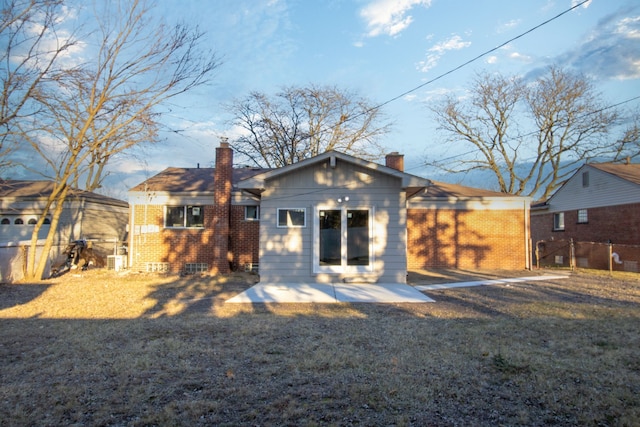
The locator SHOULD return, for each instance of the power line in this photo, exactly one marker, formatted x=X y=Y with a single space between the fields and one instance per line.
x=464 y=64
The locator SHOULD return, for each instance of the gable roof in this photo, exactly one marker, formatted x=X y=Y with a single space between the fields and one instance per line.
x=627 y=171
x=31 y=190
x=258 y=181
x=196 y=180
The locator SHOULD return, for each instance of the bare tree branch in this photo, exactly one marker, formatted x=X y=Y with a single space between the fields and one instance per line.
x=302 y=122
x=569 y=124
x=86 y=114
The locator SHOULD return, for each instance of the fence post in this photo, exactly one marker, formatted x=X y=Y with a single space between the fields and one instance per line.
x=572 y=254
x=610 y=256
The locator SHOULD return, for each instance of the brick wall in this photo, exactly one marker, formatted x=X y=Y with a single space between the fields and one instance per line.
x=244 y=242
x=620 y=224
x=175 y=246
x=448 y=238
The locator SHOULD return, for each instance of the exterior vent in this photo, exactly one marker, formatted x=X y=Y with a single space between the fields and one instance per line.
x=196 y=267
x=157 y=267
x=252 y=267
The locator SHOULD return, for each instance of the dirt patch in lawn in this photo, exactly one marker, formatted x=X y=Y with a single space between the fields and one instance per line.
x=103 y=348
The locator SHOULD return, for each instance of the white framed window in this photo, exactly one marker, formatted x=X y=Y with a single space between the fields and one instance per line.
x=183 y=217
x=585 y=179
x=292 y=217
x=558 y=221
x=251 y=213
x=583 y=216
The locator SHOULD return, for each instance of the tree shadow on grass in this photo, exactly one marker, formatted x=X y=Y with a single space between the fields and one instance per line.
x=12 y=295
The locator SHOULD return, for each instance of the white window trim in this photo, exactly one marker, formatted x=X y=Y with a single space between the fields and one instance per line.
x=342 y=269
x=586 y=216
x=257 y=218
x=559 y=227
x=304 y=210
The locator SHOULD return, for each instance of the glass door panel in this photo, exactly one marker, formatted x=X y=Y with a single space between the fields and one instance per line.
x=357 y=237
x=330 y=237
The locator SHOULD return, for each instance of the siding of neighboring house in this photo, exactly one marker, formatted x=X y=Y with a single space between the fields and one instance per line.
x=317 y=187
x=611 y=202
x=618 y=224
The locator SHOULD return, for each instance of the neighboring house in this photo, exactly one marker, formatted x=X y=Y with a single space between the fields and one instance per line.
x=98 y=219
x=333 y=217
x=599 y=203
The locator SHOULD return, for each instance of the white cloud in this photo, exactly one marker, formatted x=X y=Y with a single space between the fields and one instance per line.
x=507 y=26
x=389 y=16
x=576 y=2
x=492 y=59
x=439 y=49
x=454 y=43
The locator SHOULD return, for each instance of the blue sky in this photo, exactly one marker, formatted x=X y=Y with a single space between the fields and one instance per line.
x=382 y=49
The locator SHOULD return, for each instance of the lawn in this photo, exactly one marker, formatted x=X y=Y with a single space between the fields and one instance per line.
x=104 y=348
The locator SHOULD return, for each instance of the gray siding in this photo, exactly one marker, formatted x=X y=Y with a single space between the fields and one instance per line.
x=604 y=190
x=286 y=254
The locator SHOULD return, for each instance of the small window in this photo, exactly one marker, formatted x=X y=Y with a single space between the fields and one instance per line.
x=583 y=217
x=32 y=221
x=558 y=221
x=585 y=179
x=292 y=217
x=47 y=221
x=18 y=221
x=184 y=217
x=251 y=213
x=6 y=221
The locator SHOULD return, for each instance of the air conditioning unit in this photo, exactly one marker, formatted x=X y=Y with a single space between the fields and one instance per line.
x=116 y=262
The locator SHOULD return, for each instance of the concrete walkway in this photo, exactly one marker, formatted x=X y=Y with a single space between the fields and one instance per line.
x=330 y=293
x=367 y=293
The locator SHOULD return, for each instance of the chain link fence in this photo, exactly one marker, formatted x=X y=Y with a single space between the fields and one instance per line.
x=599 y=256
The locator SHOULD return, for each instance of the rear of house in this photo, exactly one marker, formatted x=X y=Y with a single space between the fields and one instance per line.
x=333 y=217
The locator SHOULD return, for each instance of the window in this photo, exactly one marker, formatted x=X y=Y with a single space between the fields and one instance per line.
x=32 y=221
x=251 y=213
x=47 y=221
x=585 y=179
x=558 y=221
x=6 y=221
x=292 y=217
x=583 y=217
x=18 y=221
x=184 y=217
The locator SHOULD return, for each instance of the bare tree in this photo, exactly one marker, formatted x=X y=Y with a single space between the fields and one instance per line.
x=31 y=50
x=529 y=136
x=90 y=112
x=301 y=122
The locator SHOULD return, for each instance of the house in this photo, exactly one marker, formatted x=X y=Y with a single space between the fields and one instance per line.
x=333 y=217
x=86 y=215
x=600 y=202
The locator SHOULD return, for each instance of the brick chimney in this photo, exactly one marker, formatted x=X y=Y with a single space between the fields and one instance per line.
x=395 y=160
x=222 y=207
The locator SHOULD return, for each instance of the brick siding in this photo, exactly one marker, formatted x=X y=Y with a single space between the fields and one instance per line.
x=618 y=224
x=244 y=242
x=448 y=238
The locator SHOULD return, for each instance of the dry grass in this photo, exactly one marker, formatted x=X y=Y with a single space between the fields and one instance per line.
x=107 y=349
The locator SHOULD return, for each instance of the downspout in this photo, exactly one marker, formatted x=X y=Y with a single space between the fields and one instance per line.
x=132 y=238
x=527 y=236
